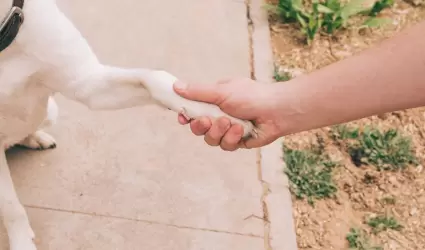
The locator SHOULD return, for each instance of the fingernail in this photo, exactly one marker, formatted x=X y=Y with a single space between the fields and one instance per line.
x=180 y=85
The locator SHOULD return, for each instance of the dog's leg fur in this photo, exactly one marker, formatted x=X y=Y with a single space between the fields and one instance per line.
x=41 y=140
x=15 y=218
x=38 y=140
x=101 y=87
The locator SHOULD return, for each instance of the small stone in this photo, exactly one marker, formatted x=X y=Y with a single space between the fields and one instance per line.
x=413 y=211
x=303 y=210
x=416 y=2
x=393 y=180
x=299 y=232
x=383 y=116
x=405 y=214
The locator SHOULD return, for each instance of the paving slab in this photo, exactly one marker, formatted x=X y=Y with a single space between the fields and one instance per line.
x=67 y=231
x=139 y=164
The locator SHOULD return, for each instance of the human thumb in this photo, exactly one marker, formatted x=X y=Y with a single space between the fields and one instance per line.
x=199 y=92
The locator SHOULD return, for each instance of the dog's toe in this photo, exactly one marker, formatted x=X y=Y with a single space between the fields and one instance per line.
x=40 y=140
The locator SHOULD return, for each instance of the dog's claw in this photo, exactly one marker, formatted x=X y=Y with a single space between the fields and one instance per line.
x=184 y=114
x=254 y=133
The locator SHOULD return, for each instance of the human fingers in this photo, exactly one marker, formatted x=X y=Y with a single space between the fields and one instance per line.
x=216 y=132
x=200 y=126
x=231 y=139
x=256 y=142
x=209 y=93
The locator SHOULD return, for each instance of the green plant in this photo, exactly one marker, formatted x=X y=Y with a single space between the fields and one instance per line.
x=344 y=132
x=338 y=15
x=386 y=150
x=357 y=239
x=288 y=10
x=312 y=22
x=309 y=174
x=377 y=7
x=383 y=223
x=380 y=6
x=281 y=76
x=329 y=15
x=374 y=22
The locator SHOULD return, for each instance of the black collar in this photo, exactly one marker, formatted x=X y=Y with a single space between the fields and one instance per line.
x=11 y=24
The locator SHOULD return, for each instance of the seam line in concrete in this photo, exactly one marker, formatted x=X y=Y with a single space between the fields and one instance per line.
x=264 y=185
x=142 y=221
x=279 y=230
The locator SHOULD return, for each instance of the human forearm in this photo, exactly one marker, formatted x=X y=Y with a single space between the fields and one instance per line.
x=386 y=78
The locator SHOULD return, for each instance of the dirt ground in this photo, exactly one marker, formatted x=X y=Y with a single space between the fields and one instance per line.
x=326 y=225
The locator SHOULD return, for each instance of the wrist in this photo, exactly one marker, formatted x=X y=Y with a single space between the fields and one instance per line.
x=287 y=111
x=300 y=105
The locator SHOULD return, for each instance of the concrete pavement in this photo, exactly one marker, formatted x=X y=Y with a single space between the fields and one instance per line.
x=135 y=179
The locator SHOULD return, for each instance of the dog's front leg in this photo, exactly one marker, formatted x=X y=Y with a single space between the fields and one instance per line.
x=13 y=213
x=103 y=88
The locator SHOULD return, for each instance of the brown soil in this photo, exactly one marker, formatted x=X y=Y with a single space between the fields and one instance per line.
x=326 y=225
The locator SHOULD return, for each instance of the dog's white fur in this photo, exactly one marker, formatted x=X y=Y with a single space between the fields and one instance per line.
x=50 y=56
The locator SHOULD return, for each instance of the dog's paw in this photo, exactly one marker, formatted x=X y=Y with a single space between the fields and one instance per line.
x=40 y=140
x=160 y=85
x=24 y=241
x=21 y=236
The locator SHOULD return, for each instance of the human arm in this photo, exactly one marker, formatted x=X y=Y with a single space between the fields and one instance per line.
x=385 y=78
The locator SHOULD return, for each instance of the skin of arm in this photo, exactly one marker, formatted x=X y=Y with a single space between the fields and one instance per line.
x=385 y=78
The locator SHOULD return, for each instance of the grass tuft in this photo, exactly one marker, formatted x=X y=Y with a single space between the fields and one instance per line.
x=309 y=174
x=387 y=150
x=382 y=223
x=281 y=76
x=358 y=240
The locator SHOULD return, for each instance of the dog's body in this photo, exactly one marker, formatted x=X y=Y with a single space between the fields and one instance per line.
x=50 y=56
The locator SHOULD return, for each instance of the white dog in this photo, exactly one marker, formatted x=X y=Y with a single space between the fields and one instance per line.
x=42 y=53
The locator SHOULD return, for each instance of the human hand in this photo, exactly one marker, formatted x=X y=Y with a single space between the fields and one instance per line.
x=240 y=98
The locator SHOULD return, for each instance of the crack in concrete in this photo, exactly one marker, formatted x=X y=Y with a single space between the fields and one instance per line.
x=250 y=42
x=264 y=184
x=143 y=221
x=264 y=194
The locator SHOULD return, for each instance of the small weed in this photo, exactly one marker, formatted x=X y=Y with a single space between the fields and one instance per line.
x=310 y=174
x=311 y=22
x=387 y=150
x=380 y=6
x=290 y=10
x=389 y=200
x=358 y=240
x=344 y=132
x=383 y=223
x=281 y=76
x=369 y=179
x=338 y=15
